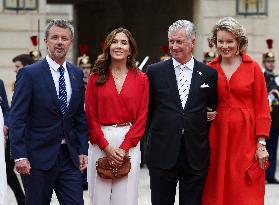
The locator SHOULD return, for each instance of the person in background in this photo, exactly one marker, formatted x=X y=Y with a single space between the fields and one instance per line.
x=181 y=91
x=116 y=107
x=84 y=62
x=21 y=61
x=35 y=52
x=239 y=131
x=272 y=84
x=209 y=55
x=166 y=50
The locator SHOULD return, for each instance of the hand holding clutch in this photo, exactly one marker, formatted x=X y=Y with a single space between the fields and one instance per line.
x=107 y=171
x=254 y=171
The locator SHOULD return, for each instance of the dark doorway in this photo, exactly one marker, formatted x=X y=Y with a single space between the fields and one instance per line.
x=148 y=20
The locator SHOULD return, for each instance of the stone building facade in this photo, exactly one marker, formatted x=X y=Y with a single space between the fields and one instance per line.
x=147 y=20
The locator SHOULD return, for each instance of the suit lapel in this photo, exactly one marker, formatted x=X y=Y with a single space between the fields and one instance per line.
x=173 y=83
x=195 y=82
x=73 y=85
x=49 y=83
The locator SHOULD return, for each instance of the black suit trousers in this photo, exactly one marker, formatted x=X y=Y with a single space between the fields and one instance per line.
x=191 y=183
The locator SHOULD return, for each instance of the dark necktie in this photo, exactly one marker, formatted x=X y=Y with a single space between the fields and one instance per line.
x=62 y=91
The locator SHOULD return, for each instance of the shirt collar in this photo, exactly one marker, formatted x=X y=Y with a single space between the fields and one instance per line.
x=189 y=64
x=53 y=65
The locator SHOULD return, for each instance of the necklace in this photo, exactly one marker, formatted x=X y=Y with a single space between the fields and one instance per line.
x=118 y=77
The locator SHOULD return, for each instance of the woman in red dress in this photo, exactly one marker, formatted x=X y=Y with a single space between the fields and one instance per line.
x=241 y=126
x=116 y=108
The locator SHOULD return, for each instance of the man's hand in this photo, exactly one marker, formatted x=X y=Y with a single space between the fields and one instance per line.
x=5 y=130
x=83 y=161
x=23 y=166
x=211 y=114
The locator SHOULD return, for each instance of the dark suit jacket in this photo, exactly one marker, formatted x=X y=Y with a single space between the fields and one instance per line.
x=37 y=125
x=4 y=102
x=167 y=120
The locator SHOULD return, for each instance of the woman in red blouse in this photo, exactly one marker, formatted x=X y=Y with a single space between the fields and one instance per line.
x=116 y=108
x=238 y=133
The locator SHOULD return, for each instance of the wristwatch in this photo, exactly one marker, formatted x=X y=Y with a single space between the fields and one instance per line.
x=262 y=142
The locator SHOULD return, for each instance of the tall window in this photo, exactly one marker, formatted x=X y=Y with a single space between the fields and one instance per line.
x=251 y=7
x=21 y=4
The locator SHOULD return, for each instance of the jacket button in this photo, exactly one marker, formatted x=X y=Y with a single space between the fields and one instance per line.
x=182 y=131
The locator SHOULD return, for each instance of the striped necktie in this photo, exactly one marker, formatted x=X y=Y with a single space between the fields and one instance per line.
x=183 y=85
x=62 y=91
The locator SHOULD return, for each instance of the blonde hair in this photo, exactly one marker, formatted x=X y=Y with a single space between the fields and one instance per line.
x=233 y=26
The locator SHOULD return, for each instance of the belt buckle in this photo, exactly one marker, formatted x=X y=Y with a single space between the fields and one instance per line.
x=115 y=125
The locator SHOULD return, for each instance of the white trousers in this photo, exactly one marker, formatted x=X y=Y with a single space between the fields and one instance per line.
x=123 y=191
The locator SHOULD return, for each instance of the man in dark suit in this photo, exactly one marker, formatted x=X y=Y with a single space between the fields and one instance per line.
x=181 y=91
x=20 y=61
x=48 y=129
x=12 y=179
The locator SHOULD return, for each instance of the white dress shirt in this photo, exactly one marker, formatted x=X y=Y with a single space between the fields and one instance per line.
x=55 y=76
x=183 y=73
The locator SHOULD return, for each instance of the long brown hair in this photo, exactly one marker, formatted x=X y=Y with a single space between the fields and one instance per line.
x=104 y=60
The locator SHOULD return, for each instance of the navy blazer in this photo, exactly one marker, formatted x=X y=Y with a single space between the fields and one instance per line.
x=170 y=125
x=37 y=125
x=4 y=102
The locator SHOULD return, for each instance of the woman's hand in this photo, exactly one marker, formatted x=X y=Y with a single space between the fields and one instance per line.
x=262 y=155
x=121 y=152
x=114 y=155
x=211 y=114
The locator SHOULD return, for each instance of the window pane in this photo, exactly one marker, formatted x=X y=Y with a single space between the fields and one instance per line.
x=252 y=7
x=262 y=6
x=30 y=4
x=14 y=3
x=21 y=4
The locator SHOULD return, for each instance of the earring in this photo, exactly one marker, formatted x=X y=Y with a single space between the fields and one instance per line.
x=237 y=51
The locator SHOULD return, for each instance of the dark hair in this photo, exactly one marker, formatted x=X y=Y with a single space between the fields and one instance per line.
x=61 y=23
x=103 y=61
x=25 y=59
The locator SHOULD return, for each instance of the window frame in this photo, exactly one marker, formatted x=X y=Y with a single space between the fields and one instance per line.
x=23 y=7
x=249 y=13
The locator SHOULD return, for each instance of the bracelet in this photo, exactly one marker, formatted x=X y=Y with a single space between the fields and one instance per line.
x=262 y=142
x=261 y=149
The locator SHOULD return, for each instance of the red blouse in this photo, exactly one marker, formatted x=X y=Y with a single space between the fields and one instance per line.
x=104 y=106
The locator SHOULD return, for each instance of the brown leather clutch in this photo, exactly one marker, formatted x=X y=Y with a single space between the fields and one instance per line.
x=106 y=171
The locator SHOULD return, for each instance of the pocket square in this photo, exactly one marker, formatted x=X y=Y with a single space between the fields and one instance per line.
x=204 y=86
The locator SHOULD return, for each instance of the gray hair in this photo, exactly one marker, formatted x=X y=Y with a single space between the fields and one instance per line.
x=231 y=25
x=188 y=26
x=62 y=23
